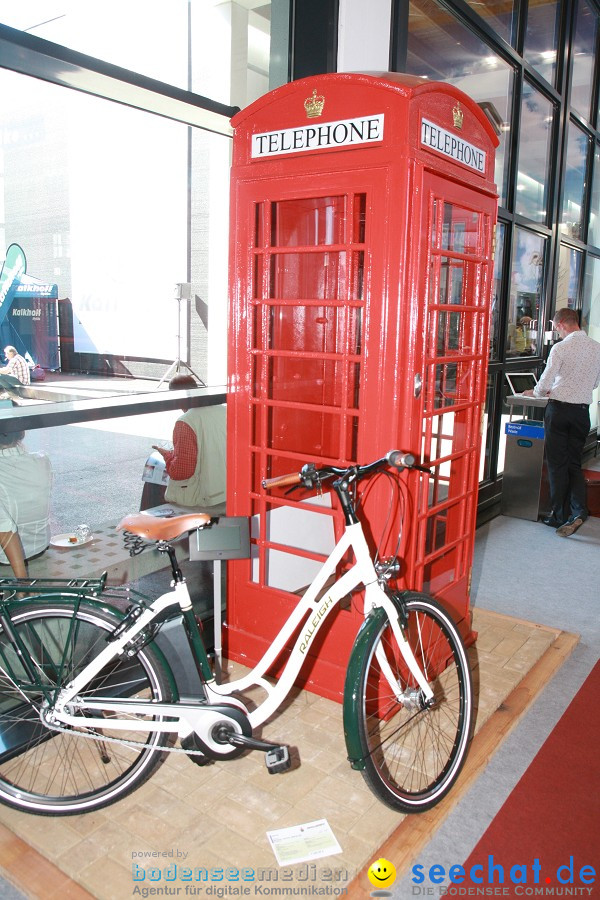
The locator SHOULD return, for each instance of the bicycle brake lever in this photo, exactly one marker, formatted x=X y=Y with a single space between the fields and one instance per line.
x=313 y=484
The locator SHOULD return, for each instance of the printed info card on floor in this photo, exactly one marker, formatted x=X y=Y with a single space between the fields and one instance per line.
x=302 y=843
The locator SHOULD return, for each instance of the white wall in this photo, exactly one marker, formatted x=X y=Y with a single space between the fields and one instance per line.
x=364 y=35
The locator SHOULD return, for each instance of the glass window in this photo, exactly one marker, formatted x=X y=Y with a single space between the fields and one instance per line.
x=572 y=208
x=230 y=47
x=594 y=227
x=495 y=319
x=313 y=351
x=541 y=38
x=583 y=53
x=460 y=229
x=590 y=315
x=226 y=38
x=590 y=312
x=441 y=48
x=505 y=415
x=487 y=435
x=90 y=28
x=569 y=270
x=525 y=301
x=498 y=14
x=534 y=154
x=88 y=197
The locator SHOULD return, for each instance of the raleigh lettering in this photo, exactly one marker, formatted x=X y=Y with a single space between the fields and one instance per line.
x=312 y=626
x=345 y=133
x=450 y=145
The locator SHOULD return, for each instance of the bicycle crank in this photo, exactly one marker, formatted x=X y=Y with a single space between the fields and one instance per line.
x=277 y=756
x=223 y=731
x=210 y=723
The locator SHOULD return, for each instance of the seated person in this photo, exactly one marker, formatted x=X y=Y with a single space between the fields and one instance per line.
x=25 y=482
x=196 y=464
x=16 y=365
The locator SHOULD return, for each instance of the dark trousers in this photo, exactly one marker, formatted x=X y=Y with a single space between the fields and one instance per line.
x=566 y=427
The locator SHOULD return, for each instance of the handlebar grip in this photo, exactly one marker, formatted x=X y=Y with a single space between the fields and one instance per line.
x=400 y=460
x=281 y=480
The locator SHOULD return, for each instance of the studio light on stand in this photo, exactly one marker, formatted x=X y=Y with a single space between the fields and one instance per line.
x=183 y=295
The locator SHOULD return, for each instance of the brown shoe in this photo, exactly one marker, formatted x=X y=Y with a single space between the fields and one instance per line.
x=570 y=527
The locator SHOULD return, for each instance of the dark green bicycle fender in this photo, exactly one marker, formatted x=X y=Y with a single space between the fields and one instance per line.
x=97 y=606
x=352 y=686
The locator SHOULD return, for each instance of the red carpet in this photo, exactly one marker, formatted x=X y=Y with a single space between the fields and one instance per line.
x=552 y=815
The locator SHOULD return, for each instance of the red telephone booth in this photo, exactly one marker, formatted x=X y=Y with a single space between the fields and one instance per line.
x=362 y=217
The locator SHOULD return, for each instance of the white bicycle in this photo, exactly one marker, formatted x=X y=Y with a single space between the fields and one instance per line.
x=89 y=706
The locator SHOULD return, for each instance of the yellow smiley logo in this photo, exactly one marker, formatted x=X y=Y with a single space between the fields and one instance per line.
x=382 y=873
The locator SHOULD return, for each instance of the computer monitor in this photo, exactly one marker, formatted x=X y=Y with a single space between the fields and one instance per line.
x=519 y=382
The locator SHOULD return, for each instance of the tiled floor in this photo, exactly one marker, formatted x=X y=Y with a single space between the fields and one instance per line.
x=218 y=816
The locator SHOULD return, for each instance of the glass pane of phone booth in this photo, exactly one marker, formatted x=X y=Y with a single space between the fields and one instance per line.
x=307 y=326
x=452 y=391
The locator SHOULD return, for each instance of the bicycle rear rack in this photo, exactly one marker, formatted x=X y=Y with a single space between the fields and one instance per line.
x=93 y=586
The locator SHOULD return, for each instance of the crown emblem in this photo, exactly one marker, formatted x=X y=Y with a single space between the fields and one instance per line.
x=458 y=116
x=314 y=105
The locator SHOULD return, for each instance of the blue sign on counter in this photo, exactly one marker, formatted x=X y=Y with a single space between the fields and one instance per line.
x=527 y=429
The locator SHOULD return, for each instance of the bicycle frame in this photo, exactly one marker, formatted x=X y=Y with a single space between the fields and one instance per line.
x=308 y=617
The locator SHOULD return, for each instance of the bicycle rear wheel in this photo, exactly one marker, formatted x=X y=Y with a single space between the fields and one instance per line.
x=77 y=769
x=413 y=752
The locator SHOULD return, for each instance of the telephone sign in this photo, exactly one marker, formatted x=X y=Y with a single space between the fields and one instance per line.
x=438 y=138
x=348 y=133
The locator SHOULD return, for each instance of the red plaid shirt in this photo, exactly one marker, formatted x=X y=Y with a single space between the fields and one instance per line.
x=181 y=460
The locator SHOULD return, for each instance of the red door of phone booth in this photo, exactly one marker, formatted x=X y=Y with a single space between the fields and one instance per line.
x=362 y=217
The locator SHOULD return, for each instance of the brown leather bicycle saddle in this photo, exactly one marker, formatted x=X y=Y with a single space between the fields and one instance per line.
x=153 y=528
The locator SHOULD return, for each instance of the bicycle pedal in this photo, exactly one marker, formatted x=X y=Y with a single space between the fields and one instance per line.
x=278 y=760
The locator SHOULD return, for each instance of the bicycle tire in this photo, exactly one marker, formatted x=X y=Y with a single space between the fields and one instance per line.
x=50 y=772
x=413 y=753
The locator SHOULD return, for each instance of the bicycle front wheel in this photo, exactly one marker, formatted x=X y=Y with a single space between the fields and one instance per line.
x=412 y=751
x=73 y=770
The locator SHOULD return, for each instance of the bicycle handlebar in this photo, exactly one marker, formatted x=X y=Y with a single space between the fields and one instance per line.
x=282 y=480
x=398 y=459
